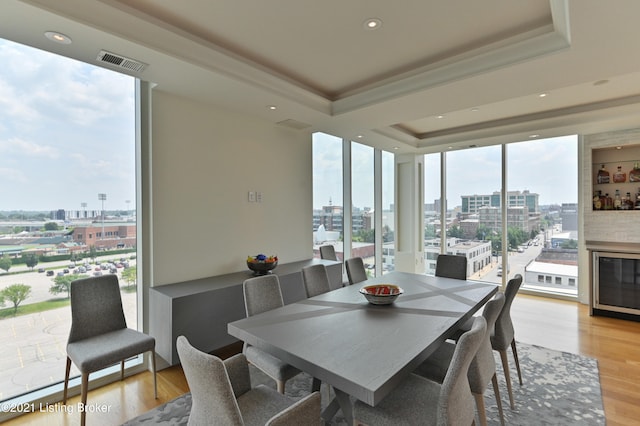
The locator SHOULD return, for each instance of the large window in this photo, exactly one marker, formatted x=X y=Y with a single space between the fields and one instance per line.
x=67 y=161
x=543 y=189
x=328 y=209
x=359 y=180
x=539 y=237
x=474 y=215
x=362 y=205
x=432 y=211
x=388 y=212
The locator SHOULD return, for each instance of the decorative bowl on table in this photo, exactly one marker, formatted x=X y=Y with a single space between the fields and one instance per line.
x=262 y=264
x=381 y=294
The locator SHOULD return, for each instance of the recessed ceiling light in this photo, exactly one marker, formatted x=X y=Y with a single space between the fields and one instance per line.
x=57 y=37
x=272 y=107
x=475 y=109
x=396 y=148
x=543 y=95
x=359 y=136
x=372 y=24
x=535 y=135
x=440 y=116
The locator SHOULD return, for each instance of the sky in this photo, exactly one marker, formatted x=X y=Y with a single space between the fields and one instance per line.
x=67 y=133
x=548 y=167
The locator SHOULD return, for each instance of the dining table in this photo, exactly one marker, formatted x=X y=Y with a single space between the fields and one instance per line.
x=364 y=350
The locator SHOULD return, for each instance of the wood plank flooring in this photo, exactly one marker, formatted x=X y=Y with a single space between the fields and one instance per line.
x=554 y=324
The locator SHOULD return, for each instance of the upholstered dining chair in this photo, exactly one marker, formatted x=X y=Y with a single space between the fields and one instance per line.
x=451 y=266
x=263 y=294
x=482 y=369
x=355 y=270
x=420 y=401
x=503 y=334
x=221 y=393
x=99 y=336
x=328 y=252
x=316 y=280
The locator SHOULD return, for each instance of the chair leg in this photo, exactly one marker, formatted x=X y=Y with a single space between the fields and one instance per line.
x=515 y=356
x=280 y=386
x=496 y=391
x=482 y=412
x=155 y=379
x=122 y=370
x=507 y=376
x=66 y=380
x=84 y=389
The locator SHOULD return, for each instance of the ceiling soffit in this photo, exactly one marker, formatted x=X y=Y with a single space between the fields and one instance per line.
x=551 y=34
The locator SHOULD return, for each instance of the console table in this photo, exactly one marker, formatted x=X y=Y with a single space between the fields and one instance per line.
x=201 y=309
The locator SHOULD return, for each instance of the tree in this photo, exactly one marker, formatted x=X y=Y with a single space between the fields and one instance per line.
x=5 y=263
x=130 y=275
x=51 y=226
x=62 y=283
x=429 y=231
x=16 y=293
x=455 y=232
x=31 y=260
x=93 y=253
x=569 y=244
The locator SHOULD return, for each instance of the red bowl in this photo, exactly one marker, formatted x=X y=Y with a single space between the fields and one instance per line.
x=381 y=294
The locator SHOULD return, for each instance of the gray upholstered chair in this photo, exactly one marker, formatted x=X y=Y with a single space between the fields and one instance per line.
x=482 y=369
x=420 y=401
x=451 y=266
x=263 y=294
x=221 y=393
x=316 y=280
x=99 y=336
x=355 y=270
x=328 y=252
x=503 y=334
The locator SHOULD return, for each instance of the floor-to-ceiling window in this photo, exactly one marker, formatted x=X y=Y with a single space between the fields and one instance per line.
x=474 y=216
x=388 y=212
x=353 y=201
x=328 y=208
x=533 y=184
x=543 y=195
x=362 y=204
x=68 y=209
x=432 y=210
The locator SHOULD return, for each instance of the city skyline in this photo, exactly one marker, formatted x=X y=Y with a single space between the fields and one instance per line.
x=67 y=133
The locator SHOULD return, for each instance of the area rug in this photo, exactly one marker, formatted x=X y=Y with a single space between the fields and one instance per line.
x=558 y=388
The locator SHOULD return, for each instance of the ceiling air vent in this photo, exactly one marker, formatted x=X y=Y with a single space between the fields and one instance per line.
x=121 y=61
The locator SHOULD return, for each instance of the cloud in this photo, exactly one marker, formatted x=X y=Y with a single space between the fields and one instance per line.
x=9 y=175
x=26 y=148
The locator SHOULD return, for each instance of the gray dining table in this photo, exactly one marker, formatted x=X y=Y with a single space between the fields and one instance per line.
x=360 y=349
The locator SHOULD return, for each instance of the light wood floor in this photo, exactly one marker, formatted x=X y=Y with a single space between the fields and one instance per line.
x=559 y=325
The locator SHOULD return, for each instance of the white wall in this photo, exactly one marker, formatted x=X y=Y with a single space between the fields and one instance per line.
x=204 y=162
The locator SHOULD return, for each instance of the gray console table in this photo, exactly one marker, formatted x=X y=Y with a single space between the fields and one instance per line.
x=201 y=309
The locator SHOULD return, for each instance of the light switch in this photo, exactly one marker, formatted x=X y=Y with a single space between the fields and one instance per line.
x=252 y=197
x=259 y=197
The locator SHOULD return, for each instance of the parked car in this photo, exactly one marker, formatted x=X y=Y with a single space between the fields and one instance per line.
x=40 y=269
x=49 y=273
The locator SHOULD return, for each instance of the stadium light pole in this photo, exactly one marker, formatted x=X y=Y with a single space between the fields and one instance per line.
x=102 y=197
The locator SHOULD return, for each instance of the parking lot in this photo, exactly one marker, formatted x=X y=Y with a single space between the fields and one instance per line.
x=32 y=354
